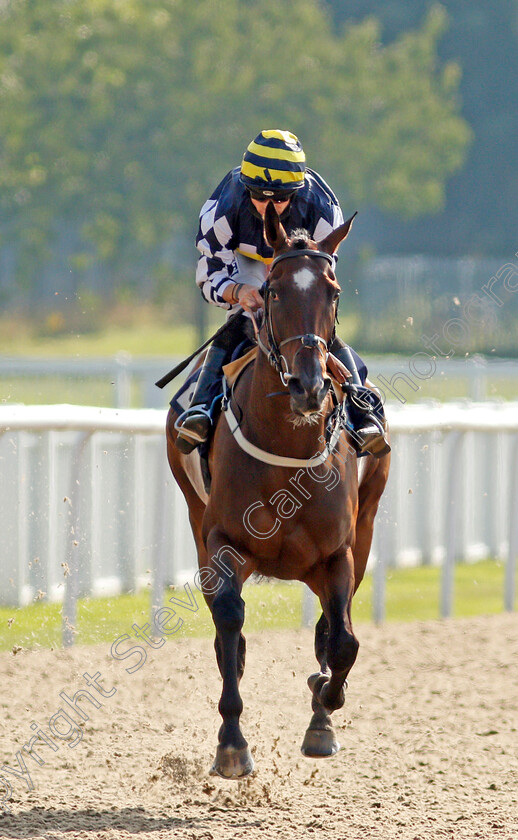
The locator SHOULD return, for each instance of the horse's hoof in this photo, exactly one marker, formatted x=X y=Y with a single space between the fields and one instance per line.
x=320 y=739
x=231 y=763
x=319 y=743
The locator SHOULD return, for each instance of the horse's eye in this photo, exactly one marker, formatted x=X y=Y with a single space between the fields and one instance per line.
x=336 y=295
x=274 y=295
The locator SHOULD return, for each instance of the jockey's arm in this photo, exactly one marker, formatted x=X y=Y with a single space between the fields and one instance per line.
x=236 y=281
x=248 y=280
x=231 y=282
x=245 y=295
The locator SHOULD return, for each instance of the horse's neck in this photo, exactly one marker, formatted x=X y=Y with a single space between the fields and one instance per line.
x=266 y=418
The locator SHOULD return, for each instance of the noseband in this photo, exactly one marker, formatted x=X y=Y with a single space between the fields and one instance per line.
x=309 y=340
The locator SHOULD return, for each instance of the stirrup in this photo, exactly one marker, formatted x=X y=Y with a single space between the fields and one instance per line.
x=370 y=439
x=193 y=427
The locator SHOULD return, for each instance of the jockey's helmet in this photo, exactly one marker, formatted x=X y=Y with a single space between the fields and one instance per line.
x=273 y=163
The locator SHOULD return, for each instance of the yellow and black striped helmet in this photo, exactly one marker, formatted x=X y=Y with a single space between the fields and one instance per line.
x=274 y=162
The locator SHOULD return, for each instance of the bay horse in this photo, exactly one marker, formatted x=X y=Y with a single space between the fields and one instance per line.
x=285 y=501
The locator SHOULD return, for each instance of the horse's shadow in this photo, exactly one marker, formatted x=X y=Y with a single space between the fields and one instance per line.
x=39 y=820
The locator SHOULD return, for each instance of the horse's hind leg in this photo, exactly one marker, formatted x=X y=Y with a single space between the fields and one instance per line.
x=336 y=648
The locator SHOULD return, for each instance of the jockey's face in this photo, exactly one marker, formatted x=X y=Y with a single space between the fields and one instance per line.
x=261 y=204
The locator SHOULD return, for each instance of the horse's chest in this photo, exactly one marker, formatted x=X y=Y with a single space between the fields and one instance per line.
x=293 y=523
x=300 y=545
x=323 y=525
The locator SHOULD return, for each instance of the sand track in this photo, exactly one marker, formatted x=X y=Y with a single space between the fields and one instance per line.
x=429 y=738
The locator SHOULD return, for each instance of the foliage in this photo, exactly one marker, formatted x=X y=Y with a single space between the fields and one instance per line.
x=483 y=37
x=400 y=135
x=118 y=117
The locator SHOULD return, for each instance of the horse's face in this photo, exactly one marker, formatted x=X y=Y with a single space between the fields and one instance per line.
x=301 y=302
x=302 y=299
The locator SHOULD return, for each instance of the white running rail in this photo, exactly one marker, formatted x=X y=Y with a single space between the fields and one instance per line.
x=88 y=504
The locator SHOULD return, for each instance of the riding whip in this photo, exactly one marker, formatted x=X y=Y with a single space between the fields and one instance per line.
x=181 y=367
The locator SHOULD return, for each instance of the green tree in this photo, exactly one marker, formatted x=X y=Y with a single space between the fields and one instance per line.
x=118 y=117
x=482 y=198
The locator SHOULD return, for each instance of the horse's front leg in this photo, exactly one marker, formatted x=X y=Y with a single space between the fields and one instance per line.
x=233 y=759
x=336 y=648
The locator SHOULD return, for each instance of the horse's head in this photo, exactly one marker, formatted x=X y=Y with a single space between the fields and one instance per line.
x=301 y=300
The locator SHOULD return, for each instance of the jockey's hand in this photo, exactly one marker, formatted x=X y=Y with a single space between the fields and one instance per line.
x=250 y=298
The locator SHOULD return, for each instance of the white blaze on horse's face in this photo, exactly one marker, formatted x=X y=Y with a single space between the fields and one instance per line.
x=304 y=279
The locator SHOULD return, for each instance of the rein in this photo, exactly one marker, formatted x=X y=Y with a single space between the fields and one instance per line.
x=308 y=340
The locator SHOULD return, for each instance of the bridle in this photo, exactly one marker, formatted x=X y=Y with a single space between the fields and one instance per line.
x=308 y=340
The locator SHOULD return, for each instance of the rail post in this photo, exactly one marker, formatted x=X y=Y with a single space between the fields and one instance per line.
x=122 y=379
x=453 y=490
x=71 y=568
x=510 y=566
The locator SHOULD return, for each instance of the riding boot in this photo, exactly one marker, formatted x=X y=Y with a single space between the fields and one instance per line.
x=194 y=424
x=364 y=408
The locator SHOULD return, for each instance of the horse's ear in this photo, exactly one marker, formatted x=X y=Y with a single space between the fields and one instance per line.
x=273 y=229
x=330 y=243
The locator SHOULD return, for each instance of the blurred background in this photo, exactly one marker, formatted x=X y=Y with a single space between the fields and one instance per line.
x=119 y=117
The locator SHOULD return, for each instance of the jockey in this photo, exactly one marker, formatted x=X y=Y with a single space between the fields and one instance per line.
x=234 y=264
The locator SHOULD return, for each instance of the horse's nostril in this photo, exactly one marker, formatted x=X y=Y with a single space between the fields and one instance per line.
x=295 y=387
x=325 y=387
x=309 y=395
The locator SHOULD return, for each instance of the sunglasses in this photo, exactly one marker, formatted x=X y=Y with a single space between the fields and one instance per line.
x=277 y=199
